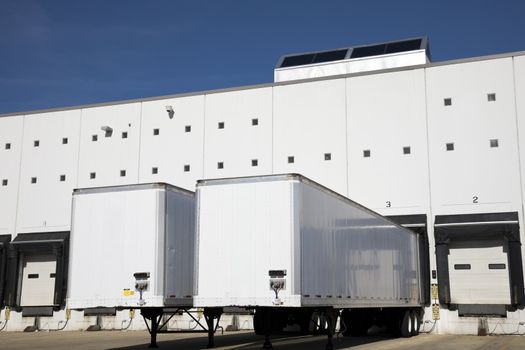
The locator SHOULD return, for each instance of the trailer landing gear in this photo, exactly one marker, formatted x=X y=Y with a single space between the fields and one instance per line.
x=154 y=315
x=211 y=314
x=267 y=316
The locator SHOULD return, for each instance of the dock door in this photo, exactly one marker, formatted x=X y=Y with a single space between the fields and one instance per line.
x=479 y=263
x=37 y=272
x=38 y=280
x=479 y=272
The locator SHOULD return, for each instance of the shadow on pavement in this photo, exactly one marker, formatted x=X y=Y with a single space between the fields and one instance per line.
x=252 y=341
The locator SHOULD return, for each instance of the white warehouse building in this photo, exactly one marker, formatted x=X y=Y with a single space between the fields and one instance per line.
x=437 y=146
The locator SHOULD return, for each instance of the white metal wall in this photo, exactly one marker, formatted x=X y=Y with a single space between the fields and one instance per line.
x=519 y=83
x=48 y=171
x=387 y=117
x=11 y=130
x=245 y=136
x=309 y=122
x=179 y=143
x=107 y=157
x=474 y=177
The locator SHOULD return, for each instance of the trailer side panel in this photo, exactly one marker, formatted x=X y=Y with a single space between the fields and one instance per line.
x=352 y=257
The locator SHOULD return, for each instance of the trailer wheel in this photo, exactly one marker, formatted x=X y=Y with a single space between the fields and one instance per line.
x=416 y=324
x=317 y=324
x=406 y=324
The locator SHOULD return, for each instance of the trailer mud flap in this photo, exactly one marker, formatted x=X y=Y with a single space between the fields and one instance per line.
x=476 y=227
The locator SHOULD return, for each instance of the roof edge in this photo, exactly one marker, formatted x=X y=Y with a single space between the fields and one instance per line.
x=264 y=85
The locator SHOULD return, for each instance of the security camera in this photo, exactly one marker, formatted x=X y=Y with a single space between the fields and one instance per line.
x=170 y=111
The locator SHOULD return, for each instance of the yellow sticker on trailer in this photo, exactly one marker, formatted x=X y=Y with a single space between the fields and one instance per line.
x=128 y=292
x=435 y=312
x=434 y=289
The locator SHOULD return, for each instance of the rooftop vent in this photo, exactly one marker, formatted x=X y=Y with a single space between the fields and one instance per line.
x=353 y=59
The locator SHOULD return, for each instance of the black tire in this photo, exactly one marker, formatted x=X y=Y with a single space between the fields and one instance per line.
x=405 y=326
x=316 y=325
x=345 y=320
x=416 y=326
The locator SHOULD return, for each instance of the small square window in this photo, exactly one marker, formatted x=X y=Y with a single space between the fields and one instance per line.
x=491 y=97
x=187 y=128
x=124 y=134
x=33 y=180
x=450 y=146
x=92 y=175
x=4 y=182
x=255 y=121
x=156 y=132
x=447 y=101
x=36 y=143
x=221 y=125
x=255 y=162
x=494 y=143
x=7 y=146
x=327 y=156
x=366 y=153
x=186 y=168
x=122 y=173
x=406 y=150
x=62 y=178
x=108 y=132
x=94 y=138
x=291 y=159
x=220 y=165
x=65 y=140
x=154 y=170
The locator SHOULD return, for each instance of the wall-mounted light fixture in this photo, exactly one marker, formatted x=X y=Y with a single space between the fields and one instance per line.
x=108 y=130
x=170 y=111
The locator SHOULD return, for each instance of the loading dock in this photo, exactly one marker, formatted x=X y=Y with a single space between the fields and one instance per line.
x=479 y=263
x=38 y=280
x=37 y=273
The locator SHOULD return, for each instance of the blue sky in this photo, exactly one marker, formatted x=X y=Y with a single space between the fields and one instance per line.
x=56 y=53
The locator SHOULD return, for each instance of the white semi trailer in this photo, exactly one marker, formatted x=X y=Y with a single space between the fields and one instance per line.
x=148 y=231
x=295 y=251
